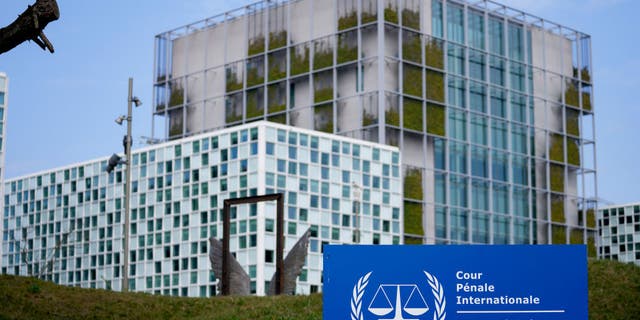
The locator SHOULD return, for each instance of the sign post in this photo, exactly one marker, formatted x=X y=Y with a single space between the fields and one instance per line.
x=455 y=282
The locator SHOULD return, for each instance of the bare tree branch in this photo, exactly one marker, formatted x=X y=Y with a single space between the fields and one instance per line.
x=30 y=26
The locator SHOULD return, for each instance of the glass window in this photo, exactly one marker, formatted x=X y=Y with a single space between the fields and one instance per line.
x=475 y=24
x=516 y=42
x=436 y=18
x=455 y=22
x=458 y=157
x=479 y=157
x=500 y=166
x=476 y=64
x=496 y=70
x=480 y=194
x=496 y=31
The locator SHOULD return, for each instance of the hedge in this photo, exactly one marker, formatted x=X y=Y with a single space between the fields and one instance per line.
x=435 y=119
x=435 y=86
x=434 y=54
x=556 y=175
x=412 y=80
x=413 y=218
x=413 y=184
x=559 y=234
x=412 y=114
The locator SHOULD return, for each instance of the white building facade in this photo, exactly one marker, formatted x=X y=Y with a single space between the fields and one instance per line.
x=619 y=231
x=66 y=224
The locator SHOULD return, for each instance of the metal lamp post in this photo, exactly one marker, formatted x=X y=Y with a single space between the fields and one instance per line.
x=113 y=162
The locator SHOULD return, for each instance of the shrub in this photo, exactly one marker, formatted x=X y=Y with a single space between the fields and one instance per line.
x=435 y=119
x=556 y=147
x=573 y=152
x=391 y=14
x=177 y=96
x=411 y=19
x=571 y=94
x=276 y=102
x=412 y=80
x=411 y=48
x=557 y=209
x=252 y=104
x=175 y=129
x=276 y=70
x=413 y=218
x=572 y=122
x=412 y=114
x=556 y=175
x=576 y=236
x=368 y=118
x=435 y=86
x=413 y=184
x=254 y=77
x=34 y=288
x=299 y=62
x=412 y=240
x=368 y=17
x=346 y=51
x=323 y=94
x=279 y=118
x=277 y=39
x=591 y=218
x=434 y=55
x=347 y=21
x=233 y=83
x=392 y=117
x=559 y=234
x=323 y=118
x=322 y=58
x=256 y=45
x=586 y=101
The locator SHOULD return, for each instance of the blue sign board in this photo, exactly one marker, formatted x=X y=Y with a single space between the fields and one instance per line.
x=440 y=282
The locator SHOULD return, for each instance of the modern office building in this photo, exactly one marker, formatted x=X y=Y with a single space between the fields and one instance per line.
x=619 y=233
x=491 y=107
x=66 y=224
x=4 y=87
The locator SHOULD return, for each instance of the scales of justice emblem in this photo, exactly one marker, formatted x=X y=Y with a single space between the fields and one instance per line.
x=414 y=304
x=398 y=301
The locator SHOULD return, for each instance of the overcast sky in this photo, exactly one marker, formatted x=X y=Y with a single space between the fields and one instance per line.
x=62 y=105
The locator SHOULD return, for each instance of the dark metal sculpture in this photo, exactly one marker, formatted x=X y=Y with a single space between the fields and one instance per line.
x=30 y=26
x=226 y=254
x=293 y=264
x=234 y=280
x=239 y=281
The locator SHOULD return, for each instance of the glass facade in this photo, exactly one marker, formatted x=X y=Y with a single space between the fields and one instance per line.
x=619 y=233
x=66 y=224
x=491 y=108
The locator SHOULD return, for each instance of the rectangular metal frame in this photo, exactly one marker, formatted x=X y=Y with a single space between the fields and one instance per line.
x=279 y=198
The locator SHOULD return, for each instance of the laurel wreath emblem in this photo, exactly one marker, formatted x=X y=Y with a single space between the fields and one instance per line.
x=356 y=298
x=438 y=294
x=436 y=289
